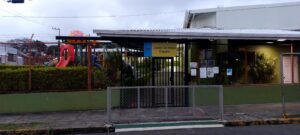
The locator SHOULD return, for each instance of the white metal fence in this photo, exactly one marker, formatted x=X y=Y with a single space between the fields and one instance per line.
x=203 y=102
x=290 y=85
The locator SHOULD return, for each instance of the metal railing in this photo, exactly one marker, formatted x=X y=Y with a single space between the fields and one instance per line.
x=195 y=103
x=288 y=100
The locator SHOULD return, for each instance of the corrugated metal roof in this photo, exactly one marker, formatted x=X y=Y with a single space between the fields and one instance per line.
x=202 y=33
x=274 y=5
x=189 y=13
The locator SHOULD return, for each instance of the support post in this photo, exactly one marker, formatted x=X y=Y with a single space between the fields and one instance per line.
x=193 y=99
x=166 y=102
x=186 y=73
x=89 y=67
x=292 y=62
x=139 y=97
x=108 y=109
x=281 y=87
x=245 y=65
x=30 y=64
x=221 y=102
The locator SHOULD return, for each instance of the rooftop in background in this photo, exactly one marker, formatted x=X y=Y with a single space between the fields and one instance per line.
x=267 y=16
x=196 y=34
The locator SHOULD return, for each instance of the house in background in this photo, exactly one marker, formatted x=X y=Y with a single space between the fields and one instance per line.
x=9 y=56
x=243 y=56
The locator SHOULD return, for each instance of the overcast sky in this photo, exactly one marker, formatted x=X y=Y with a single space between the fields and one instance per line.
x=116 y=14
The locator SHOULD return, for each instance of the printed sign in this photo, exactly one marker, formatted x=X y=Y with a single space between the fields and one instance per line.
x=229 y=71
x=210 y=72
x=203 y=73
x=216 y=70
x=160 y=49
x=193 y=65
x=193 y=72
x=147 y=49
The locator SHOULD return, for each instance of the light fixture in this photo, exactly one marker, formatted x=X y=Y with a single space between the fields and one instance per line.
x=281 y=40
x=270 y=42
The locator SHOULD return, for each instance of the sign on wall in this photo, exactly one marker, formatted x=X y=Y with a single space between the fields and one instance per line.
x=210 y=72
x=160 y=49
x=229 y=71
x=203 y=72
x=193 y=64
x=216 y=70
x=193 y=72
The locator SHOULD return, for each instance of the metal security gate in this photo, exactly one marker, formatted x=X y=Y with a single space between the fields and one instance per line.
x=162 y=71
x=153 y=71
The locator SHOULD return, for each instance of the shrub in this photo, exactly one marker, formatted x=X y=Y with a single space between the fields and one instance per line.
x=263 y=69
x=48 y=79
x=4 y=67
x=14 y=80
x=73 y=78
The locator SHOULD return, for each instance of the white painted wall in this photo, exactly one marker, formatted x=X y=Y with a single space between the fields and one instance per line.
x=204 y=20
x=253 y=17
x=260 y=18
x=4 y=50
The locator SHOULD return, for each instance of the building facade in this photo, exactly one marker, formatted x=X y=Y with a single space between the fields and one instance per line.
x=245 y=56
x=9 y=56
x=271 y=16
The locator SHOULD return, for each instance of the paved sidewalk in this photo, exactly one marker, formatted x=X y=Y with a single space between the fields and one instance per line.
x=58 y=120
x=97 y=118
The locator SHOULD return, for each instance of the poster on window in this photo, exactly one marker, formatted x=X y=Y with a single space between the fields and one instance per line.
x=193 y=72
x=203 y=72
x=216 y=70
x=210 y=72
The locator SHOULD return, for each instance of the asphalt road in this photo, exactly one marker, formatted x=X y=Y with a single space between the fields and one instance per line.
x=250 y=130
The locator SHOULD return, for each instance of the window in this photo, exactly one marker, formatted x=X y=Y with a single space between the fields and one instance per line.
x=12 y=57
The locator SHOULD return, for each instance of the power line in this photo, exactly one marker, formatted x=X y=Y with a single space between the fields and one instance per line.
x=24 y=18
x=96 y=16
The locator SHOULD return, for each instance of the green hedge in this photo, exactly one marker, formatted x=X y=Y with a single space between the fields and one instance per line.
x=13 y=80
x=48 y=79
x=4 y=67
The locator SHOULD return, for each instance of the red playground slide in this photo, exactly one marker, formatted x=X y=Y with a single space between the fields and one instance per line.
x=66 y=54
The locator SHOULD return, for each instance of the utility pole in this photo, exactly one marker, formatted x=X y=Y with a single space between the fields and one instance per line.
x=29 y=61
x=58 y=42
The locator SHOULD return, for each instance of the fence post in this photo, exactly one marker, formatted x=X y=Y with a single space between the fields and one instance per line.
x=139 y=98
x=193 y=99
x=166 y=102
x=221 y=102
x=108 y=105
x=281 y=87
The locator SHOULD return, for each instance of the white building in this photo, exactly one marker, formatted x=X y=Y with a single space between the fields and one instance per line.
x=9 y=56
x=271 y=16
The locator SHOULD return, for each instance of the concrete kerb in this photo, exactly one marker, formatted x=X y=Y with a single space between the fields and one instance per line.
x=262 y=122
x=110 y=128
x=104 y=129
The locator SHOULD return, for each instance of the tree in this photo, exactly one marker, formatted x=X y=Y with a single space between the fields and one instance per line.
x=22 y=44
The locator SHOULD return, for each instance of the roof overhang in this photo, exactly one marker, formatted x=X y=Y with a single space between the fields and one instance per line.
x=199 y=34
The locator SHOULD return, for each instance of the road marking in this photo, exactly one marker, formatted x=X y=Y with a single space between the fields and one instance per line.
x=193 y=121
x=168 y=128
